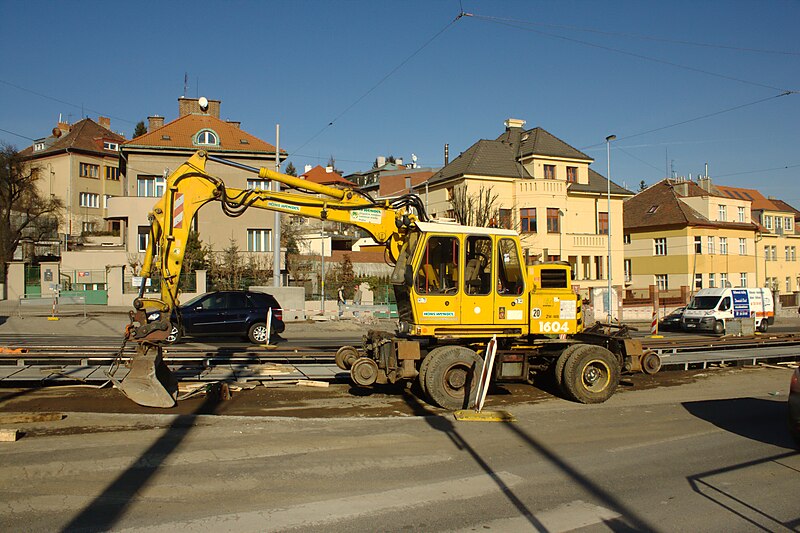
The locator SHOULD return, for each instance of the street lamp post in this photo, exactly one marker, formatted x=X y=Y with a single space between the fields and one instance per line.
x=608 y=223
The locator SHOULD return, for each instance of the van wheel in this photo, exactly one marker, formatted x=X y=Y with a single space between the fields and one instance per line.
x=719 y=327
x=762 y=327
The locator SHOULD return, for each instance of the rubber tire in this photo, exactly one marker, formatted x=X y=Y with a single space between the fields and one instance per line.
x=346 y=356
x=558 y=367
x=257 y=334
x=445 y=365
x=176 y=335
x=575 y=370
x=426 y=362
x=719 y=327
x=763 y=326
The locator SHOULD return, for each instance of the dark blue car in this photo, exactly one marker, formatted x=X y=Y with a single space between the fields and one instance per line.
x=219 y=313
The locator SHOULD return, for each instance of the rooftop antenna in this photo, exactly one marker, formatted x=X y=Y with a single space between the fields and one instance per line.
x=185 y=83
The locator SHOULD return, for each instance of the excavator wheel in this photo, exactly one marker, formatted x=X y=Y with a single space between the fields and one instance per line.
x=451 y=377
x=558 y=367
x=591 y=374
x=345 y=357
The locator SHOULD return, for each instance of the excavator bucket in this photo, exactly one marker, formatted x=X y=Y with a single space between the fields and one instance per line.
x=149 y=382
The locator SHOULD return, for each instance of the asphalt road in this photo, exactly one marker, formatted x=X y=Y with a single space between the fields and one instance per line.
x=712 y=455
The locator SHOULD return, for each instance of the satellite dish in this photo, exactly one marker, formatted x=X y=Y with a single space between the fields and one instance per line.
x=203 y=101
x=414 y=157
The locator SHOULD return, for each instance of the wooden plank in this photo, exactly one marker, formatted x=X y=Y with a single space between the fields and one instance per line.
x=9 y=435
x=312 y=383
x=22 y=418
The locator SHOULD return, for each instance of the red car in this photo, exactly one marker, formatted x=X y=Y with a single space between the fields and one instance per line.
x=794 y=406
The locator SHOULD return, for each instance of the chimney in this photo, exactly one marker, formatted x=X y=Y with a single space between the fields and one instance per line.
x=399 y=161
x=105 y=122
x=513 y=123
x=329 y=169
x=154 y=122
x=191 y=106
x=446 y=154
x=307 y=169
x=704 y=182
x=381 y=161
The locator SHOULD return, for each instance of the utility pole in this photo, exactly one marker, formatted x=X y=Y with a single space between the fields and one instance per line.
x=276 y=247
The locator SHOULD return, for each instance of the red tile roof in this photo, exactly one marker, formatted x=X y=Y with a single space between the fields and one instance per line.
x=85 y=135
x=180 y=133
x=318 y=174
x=759 y=202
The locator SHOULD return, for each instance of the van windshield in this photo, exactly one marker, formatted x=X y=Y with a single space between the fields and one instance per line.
x=704 y=302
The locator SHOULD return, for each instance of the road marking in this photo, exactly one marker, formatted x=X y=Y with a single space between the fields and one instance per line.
x=566 y=517
x=338 y=509
x=662 y=441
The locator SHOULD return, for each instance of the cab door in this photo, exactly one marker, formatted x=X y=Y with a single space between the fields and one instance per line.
x=435 y=289
x=511 y=297
x=477 y=299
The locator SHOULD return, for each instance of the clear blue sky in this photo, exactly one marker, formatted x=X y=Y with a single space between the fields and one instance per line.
x=397 y=78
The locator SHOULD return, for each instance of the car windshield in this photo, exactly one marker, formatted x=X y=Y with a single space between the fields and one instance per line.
x=704 y=302
x=193 y=300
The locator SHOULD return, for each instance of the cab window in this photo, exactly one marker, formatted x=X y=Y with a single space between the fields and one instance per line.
x=438 y=269
x=509 y=268
x=478 y=266
x=726 y=304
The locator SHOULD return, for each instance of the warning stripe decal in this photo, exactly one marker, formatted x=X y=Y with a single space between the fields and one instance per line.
x=177 y=211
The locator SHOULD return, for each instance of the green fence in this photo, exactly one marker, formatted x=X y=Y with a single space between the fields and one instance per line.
x=91 y=284
x=33 y=281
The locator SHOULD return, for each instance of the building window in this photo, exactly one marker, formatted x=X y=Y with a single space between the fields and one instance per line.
x=143 y=237
x=626 y=238
x=698 y=281
x=552 y=220
x=505 y=218
x=150 y=186
x=628 y=273
x=743 y=279
x=38 y=146
x=742 y=214
x=88 y=227
x=206 y=137
x=660 y=246
x=112 y=173
x=88 y=170
x=259 y=240
x=108 y=145
x=786 y=252
x=793 y=253
x=788 y=284
x=774 y=249
x=768 y=222
x=662 y=282
x=698 y=244
x=723 y=280
x=549 y=172
x=89 y=199
x=742 y=246
x=258 y=185
x=787 y=223
x=766 y=253
x=712 y=283
x=572 y=174
x=723 y=245
x=711 y=245
x=723 y=213
x=602 y=223
x=105 y=200
x=527 y=219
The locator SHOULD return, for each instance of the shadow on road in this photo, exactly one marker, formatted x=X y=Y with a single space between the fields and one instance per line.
x=107 y=508
x=757 y=419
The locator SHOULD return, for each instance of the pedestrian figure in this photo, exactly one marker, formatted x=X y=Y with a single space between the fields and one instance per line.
x=357 y=299
x=340 y=300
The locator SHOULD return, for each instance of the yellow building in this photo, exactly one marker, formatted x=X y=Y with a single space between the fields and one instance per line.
x=79 y=163
x=679 y=236
x=543 y=188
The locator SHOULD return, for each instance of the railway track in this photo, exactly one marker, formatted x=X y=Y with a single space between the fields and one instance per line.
x=22 y=360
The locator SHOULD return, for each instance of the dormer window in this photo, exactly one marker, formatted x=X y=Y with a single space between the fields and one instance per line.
x=38 y=146
x=207 y=137
x=108 y=145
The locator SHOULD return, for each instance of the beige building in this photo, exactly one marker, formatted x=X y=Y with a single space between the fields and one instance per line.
x=544 y=189
x=79 y=163
x=149 y=158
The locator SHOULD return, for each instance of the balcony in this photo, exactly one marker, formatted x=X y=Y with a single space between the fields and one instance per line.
x=534 y=187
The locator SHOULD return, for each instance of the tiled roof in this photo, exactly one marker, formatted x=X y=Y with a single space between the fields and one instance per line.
x=180 y=133
x=759 y=202
x=783 y=206
x=318 y=174
x=484 y=158
x=598 y=184
x=538 y=141
x=85 y=136
x=660 y=206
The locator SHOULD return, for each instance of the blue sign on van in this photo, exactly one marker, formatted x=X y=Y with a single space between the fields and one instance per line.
x=741 y=303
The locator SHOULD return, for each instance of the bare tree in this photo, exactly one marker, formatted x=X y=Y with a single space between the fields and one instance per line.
x=25 y=213
x=475 y=209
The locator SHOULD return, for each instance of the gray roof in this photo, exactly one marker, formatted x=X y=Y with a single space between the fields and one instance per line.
x=598 y=184
x=484 y=158
x=538 y=141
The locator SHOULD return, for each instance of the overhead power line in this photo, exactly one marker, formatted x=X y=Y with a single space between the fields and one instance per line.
x=520 y=24
x=17 y=134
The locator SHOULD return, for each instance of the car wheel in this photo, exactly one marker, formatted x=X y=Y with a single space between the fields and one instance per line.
x=174 y=335
x=762 y=327
x=257 y=333
x=719 y=327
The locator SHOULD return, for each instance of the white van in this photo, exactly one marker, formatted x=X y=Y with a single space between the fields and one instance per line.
x=710 y=308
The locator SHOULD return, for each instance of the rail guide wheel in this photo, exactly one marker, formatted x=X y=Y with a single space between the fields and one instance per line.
x=651 y=362
x=346 y=356
x=364 y=372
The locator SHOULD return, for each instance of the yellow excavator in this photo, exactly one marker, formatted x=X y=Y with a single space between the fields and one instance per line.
x=456 y=288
